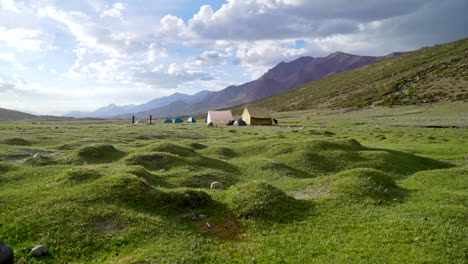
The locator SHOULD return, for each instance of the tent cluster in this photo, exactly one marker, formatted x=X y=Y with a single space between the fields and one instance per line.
x=179 y=120
x=250 y=116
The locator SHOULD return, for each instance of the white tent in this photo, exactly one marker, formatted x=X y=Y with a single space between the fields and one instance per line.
x=219 y=117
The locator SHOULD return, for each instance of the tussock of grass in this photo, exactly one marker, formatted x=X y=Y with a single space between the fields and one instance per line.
x=258 y=200
x=40 y=161
x=365 y=184
x=76 y=175
x=171 y=148
x=153 y=161
x=450 y=179
x=6 y=167
x=196 y=145
x=221 y=152
x=98 y=154
x=17 y=142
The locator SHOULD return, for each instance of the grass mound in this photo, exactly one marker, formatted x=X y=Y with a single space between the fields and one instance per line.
x=221 y=152
x=40 y=161
x=258 y=200
x=204 y=179
x=153 y=161
x=5 y=167
x=317 y=157
x=196 y=145
x=188 y=199
x=324 y=145
x=367 y=184
x=80 y=175
x=171 y=148
x=99 y=153
x=449 y=179
x=141 y=172
x=17 y=142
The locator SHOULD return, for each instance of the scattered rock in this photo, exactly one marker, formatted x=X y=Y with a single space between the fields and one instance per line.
x=216 y=186
x=6 y=254
x=37 y=156
x=39 y=250
x=190 y=215
x=201 y=216
x=162 y=170
x=208 y=225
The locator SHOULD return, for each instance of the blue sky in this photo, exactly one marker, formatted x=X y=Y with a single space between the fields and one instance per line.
x=58 y=56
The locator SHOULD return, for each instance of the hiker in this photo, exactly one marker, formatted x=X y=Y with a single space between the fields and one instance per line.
x=133 y=119
x=151 y=119
x=276 y=121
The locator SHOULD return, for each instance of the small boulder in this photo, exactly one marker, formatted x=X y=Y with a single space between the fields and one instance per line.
x=37 y=156
x=39 y=250
x=6 y=254
x=216 y=186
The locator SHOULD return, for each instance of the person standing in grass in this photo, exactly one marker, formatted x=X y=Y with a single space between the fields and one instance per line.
x=133 y=119
x=151 y=119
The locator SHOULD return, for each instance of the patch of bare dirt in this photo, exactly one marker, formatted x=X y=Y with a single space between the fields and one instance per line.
x=226 y=228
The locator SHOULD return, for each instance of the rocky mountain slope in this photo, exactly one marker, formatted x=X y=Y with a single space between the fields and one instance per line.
x=432 y=74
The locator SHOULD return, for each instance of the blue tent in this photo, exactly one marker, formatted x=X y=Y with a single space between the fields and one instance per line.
x=168 y=121
x=191 y=120
x=178 y=120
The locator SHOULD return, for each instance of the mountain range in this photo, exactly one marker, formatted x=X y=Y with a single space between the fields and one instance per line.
x=283 y=76
x=428 y=75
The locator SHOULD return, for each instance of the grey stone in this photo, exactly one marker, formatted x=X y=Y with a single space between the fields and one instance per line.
x=6 y=254
x=190 y=215
x=39 y=250
x=216 y=186
x=37 y=156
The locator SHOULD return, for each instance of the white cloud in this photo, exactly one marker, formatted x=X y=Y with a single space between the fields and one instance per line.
x=115 y=11
x=9 y=57
x=208 y=59
x=266 y=53
x=9 y=5
x=21 y=39
x=95 y=36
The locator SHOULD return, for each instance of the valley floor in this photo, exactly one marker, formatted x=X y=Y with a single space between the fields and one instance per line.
x=379 y=185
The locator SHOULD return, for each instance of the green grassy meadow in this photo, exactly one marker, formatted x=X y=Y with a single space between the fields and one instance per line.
x=380 y=185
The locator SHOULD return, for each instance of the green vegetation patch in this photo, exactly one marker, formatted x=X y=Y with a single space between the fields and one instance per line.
x=171 y=148
x=449 y=179
x=152 y=161
x=366 y=184
x=6 y=167
x=258 y=200
x=99 y=153
x=80 y=175
x=40 y=161
x=17 y=142
x=221 y=152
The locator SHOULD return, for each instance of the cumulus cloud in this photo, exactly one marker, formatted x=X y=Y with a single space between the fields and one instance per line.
x=9 y=5
x=115 y=11
x=208 y=59
x=95 y=36
x=21 y=39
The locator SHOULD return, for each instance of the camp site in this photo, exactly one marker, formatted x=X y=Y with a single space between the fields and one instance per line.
x=222 y=132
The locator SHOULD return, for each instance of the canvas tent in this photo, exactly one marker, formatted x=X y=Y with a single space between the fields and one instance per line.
x=257 y=116
x=168 y=121
x=219 y=117
x=178 y=120
x=191 y=120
